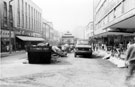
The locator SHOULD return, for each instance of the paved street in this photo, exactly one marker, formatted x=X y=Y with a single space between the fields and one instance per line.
x=67 y=72
x=38 y=28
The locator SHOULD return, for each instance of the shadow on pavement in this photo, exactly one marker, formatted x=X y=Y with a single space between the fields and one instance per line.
x=59 y=61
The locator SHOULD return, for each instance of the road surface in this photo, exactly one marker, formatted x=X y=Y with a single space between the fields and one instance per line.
x=66 y=72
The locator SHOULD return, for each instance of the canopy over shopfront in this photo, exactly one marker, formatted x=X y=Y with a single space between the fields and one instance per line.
x=105 y=34
x=26 y=38
x=127 y=23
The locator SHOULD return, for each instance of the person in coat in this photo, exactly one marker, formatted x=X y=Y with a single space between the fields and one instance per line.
x=130 y=58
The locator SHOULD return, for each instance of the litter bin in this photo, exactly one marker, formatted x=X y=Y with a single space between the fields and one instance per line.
x=39 y=54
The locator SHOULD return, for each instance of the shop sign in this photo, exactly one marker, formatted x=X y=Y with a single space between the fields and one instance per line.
x=36 y=35
x=28 y=33
x=18 y=32
x=22 y=32
x=5 y=34
x=5 y=39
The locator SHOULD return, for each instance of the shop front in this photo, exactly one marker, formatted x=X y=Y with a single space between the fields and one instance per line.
x=24 y=37
x=23 y=41
x=5 y=40
x=113 y=39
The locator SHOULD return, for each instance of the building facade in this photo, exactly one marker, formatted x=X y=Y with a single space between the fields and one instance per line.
x=47 y=30
x=27 y=17
x=51 y=31
x=49 y=34
x=114 y=19
x=0 y=20
x=19 y=18
x=57 y=37
x=0 y=13
x=6 y=24
x=114 y=14
x=89 y=30
x=44 y=24
x=68 y=38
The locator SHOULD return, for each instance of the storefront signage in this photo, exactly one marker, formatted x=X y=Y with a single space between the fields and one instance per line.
x=5 y=34
x=18 y=32
x=27 y=33
x=36 y=35
x=22 y=32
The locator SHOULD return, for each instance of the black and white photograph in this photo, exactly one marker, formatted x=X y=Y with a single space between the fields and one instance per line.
x=67 y=43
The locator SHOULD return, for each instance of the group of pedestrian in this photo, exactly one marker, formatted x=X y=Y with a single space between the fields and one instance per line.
x=130 y=57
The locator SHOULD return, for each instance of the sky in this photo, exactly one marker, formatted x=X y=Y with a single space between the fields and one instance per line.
x=66 y=15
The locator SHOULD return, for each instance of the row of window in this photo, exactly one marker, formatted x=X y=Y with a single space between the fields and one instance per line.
x=121 y=8
x=106 y=7
x=28 y=17
x=6 y=17
x=46 y=30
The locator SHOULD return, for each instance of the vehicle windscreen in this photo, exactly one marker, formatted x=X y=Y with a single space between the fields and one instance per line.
x=82 y=43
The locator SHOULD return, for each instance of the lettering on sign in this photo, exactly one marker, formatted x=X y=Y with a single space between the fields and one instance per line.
x=5 y=34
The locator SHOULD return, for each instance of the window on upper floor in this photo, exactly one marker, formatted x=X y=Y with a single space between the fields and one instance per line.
x=18 y=9
x=5 y=15
x=25 y=15
x=11 y=16
x=29 y=16
x=22 y=13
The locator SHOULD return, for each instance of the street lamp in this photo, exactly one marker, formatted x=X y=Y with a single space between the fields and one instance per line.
x=9 y=27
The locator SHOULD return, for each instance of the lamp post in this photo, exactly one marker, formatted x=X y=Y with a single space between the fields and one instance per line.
x=9 y=27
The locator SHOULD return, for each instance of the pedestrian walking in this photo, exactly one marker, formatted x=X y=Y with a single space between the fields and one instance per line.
x=96 y=47
x=129 y=43
x=93 y=46
x=7 y=48
x=120 y=50
x=130 y=58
